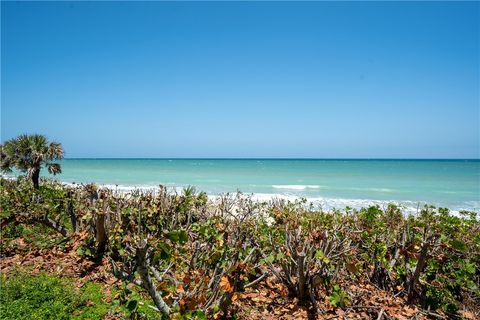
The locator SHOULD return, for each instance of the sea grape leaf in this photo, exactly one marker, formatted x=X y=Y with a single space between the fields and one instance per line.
x=132 y=305
x=459 y=245
x=165 y=251
x=269 y=259
x=178 y=236
x=321 y=256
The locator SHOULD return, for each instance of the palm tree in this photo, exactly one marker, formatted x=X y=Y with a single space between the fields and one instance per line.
x=28 y=153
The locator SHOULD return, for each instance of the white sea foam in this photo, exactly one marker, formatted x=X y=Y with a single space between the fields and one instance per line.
x=295 y=186
x=7 y=176
x=327 y=204
x=119 y=187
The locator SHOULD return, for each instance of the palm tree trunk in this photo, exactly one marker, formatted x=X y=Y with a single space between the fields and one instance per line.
x=101 y=235
x=36 y=177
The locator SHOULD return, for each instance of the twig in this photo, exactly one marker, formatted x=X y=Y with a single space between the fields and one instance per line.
x=363 y=307
x=380 y=314
x=254 y=282
x=55 y=225
x=432 y=314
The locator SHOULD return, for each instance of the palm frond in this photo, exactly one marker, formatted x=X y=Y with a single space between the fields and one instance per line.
x=5 y=165
x=55 y=151
x=54 y=168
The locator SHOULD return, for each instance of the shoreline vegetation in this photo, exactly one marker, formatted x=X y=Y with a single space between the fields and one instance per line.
x=180 y=255
x=319 y=203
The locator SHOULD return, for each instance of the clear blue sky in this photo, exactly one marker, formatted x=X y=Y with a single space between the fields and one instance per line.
x=223 y=79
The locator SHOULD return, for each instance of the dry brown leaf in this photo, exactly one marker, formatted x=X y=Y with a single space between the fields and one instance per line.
x=339 y=312
x=409 y=311
x=352 y=267
x=180 y=289
x=225 y=284
x=468 y=315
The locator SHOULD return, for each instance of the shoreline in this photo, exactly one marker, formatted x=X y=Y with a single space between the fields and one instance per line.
x=323 y=203
x=328 y=184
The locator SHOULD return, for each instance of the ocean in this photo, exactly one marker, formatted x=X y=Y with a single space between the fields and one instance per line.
x=338 y=183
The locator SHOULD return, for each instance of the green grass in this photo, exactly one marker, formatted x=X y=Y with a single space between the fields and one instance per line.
x=25 y=296
x=48 y=297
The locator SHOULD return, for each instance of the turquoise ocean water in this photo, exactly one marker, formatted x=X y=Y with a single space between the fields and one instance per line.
x=331 y=183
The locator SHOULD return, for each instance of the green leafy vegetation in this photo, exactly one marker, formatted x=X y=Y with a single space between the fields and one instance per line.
x=48 y=297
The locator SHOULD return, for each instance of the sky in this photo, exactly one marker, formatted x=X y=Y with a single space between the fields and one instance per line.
x=244 y=79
